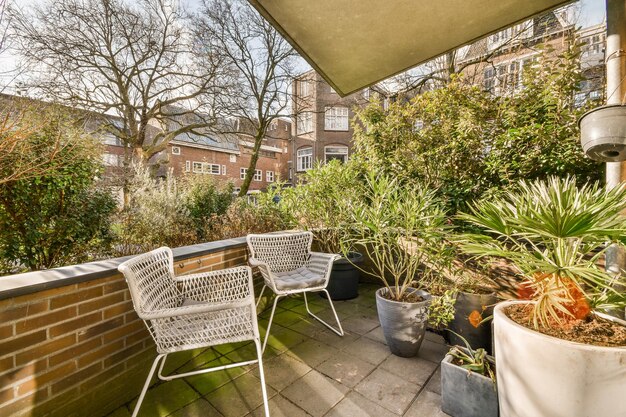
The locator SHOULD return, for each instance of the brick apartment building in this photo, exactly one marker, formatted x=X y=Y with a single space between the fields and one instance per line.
x=322 y=129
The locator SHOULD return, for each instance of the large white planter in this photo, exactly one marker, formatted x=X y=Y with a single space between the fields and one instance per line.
x=542 y=376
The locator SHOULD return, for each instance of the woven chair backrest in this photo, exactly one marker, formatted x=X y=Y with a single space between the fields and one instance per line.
x=150 y=279
x=282 y=252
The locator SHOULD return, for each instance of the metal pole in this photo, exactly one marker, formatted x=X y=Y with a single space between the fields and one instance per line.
x=615 y=93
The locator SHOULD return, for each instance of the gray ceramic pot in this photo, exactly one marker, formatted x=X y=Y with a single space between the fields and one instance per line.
x=467 y=394
x=404 y=324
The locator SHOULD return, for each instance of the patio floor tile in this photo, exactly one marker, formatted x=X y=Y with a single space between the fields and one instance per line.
x=434 y=352
x=426 y=404
x=346 y=369
x=315 y=393
x=312 y=352
x=388 y=390
x=200 y=407
x=240 y=397
x=368 y=350
x=360 y=325
x=166 y=398
x=356 y=405
x=280 y=407
x=434 y=383
x=377 y=335
x=281 y=371
x=414 y=370
x=206 y=383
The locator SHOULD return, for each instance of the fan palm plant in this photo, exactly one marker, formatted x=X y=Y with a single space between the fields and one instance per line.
x=554 y=233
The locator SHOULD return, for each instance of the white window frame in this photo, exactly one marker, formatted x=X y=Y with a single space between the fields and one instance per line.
x=111 y=140
x=304 y=122
x=175 y=150
x=187 y=166
x=206 y=168
x=337 y=151
x=111 y=159
x=223 y=169
x=269 y=176
x=305 y=158
x=233 y=158
x=258 y=175
x=242 y=173
x=336 y=118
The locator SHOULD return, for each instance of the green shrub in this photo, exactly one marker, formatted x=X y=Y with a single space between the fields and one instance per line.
x=57 y=217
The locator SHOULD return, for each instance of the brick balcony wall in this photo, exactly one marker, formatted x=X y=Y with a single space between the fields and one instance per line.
x=71 y=343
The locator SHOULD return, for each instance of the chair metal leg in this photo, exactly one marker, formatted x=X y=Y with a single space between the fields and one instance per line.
x=259 y=352
x=306 y=303
x=269 y=324
x=147 y=384
x=260 y=295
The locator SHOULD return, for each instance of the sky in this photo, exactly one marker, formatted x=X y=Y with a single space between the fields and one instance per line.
x=592 y=12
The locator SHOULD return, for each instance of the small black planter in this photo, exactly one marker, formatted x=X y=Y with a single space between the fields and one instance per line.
x=344 y=278
x=477 y=337
x=467 y=394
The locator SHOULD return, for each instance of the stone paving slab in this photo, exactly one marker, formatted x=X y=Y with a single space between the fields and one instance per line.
x=310 y=371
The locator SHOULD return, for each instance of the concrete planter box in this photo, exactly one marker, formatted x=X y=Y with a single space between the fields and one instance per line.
x=540 y=375
x=467 y=394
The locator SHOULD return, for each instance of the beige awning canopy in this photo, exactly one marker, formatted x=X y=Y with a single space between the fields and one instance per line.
x=355 y=43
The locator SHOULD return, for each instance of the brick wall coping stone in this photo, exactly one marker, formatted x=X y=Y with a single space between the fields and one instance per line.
x=31 y=282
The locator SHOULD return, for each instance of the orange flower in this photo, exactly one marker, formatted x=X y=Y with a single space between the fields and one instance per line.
x=475 y=318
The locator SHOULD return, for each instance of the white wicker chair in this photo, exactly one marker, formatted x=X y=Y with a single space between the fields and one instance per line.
x=192 y=311
x=289 y=267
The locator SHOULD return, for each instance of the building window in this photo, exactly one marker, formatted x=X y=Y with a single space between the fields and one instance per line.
x=111 y=139
x=489 y=79
x=267 y=154
x=258 y=175
x=336 y=118
x=269 y=176
x=332 y=90
x=339 y=153
x=233 y=158
x=175 y=150
x=305 y=122
x=187 y=166
x=305 y=159
x=242 y=173
x=223 y=169
x=206 y=168
x=303 y=86
x=111 y=160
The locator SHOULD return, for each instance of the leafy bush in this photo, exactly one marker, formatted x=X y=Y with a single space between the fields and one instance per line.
x=54 y=216
x=204 y=200
x=323 y=202
x=469 y=144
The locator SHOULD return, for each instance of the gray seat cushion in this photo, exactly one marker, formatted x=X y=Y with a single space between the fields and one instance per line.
x=298 y=279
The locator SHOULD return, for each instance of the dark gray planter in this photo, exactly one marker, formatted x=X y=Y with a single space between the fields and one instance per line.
x=344 y=278
x=467 y=394
x=603 y=133
x=403 y=324
x=477 y=337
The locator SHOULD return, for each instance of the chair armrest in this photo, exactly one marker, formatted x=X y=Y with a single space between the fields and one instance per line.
x=221 y=287
x=190 y=310
x=322 y=263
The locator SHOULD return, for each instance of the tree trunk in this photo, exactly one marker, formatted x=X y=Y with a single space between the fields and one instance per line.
x=258 y=140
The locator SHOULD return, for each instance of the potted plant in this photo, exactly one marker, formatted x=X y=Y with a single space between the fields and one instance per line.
x=400 y=229
x=321 y=204
x=475 y=298
x=468 y=383
x=556 y=357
